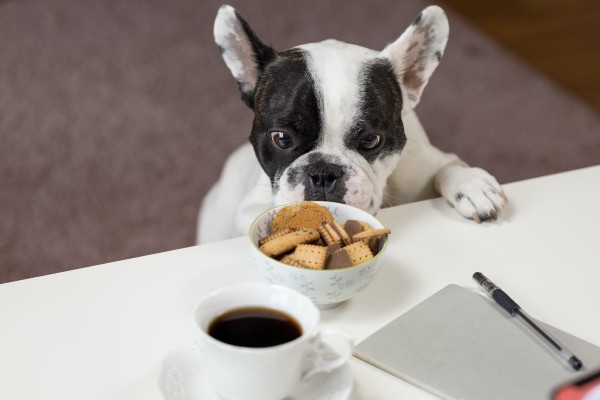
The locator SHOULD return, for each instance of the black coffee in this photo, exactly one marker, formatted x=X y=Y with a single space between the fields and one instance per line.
x=255 y=327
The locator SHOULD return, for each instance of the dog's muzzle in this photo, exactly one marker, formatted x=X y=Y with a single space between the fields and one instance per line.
x=325 y=181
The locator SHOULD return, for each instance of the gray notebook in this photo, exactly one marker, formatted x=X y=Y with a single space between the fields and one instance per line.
x=458 y=344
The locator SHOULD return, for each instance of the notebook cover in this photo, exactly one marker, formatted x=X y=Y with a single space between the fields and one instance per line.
x=458 y=344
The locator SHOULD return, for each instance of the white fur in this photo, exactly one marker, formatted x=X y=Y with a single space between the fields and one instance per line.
x=413 y=54
x=241 y=194
x=364 y=189
x=237 y=51
x=421 y=171
x=335 y=67
x=243 y=191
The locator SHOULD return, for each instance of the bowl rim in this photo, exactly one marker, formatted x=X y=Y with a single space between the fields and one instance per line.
x=322 y=203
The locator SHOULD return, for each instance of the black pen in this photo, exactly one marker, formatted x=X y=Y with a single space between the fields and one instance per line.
x=504 y=301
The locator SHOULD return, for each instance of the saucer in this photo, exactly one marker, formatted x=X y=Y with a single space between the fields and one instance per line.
x=181 y=378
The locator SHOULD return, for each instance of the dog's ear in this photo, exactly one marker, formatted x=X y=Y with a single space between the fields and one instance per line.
x=417 y=52
x=244 y=53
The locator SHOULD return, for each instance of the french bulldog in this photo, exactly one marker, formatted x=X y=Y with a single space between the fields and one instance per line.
x=336 y=122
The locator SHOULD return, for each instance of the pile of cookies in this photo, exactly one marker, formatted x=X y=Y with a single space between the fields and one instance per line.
x=306 y=235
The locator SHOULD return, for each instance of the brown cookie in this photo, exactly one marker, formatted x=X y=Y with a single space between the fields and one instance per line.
x=289 y=260
x=310 y=256
x=289 y=241
x=372 y=237
x=373 y=233
x=342 y=232
x=366 y=226
x=305 y=214
x=353 y=227
x=329 y=234
x=359 y=252
x=333 y=248
x=339 y=259
x=274 y=235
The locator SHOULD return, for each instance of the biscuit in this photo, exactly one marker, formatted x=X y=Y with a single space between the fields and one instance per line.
x=359 y=252
x=353 y=227
x=333 y=232
x=333 y=248
x=373 y=233
x=329 y=235
x=274 y=235
x=339 y=259
x=310 y=256
x=372 y=237
x=289 y=241
x=289 y=260
x=306 y=235
x=305 y=214
x=365 y=225
x=342 y=232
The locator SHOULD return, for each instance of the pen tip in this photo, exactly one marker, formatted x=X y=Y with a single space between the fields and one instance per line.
x=575 y=363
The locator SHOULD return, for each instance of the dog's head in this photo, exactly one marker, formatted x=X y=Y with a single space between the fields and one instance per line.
x=328 y=115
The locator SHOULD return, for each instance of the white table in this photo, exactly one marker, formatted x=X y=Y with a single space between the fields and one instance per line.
x=101 y=332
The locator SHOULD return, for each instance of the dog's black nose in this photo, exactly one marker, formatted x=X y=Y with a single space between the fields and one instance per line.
x=323 y=176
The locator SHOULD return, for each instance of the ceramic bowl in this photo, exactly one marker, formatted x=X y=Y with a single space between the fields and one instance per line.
x=326 y=288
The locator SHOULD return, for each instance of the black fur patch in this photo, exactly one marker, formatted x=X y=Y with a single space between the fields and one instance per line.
x=285 y=101
x=380 y=112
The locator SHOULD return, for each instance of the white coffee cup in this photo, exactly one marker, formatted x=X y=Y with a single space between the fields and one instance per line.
x=265 y=373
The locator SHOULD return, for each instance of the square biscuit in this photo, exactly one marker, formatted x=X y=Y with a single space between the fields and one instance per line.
x=359 y=252
x=310 y=256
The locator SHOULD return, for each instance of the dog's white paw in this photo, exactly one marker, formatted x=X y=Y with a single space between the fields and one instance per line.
x=473 y=192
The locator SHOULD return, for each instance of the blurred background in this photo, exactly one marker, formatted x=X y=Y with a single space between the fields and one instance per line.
x=117 y=116
x=555 y=37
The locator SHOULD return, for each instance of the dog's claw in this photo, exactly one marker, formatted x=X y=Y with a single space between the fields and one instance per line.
x=493 y=215
x=473 y=192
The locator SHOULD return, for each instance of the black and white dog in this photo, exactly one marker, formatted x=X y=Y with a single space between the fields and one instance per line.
x=334 y=121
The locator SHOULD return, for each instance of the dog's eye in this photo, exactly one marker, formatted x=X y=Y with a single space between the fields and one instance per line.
x=369 y=141
x=281 y=140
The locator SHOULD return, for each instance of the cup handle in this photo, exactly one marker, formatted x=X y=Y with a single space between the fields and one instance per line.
x=321 y=358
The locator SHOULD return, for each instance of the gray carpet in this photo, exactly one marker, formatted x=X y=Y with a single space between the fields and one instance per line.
x=116 y=116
